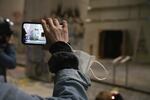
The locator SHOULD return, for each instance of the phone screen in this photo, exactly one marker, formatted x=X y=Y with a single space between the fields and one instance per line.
x=33 y=33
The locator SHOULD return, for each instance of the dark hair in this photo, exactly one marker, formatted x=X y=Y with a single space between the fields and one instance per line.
x=107 y=95
x=5 y=27
x=117 y=96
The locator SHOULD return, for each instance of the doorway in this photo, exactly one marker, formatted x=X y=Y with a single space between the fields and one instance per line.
x=110 y=43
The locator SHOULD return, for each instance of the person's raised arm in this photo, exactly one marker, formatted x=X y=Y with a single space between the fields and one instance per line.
x=69 y=82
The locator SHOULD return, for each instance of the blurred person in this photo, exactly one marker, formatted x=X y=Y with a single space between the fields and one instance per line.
x=70 y=83
x=104 y=95
x=7 y=49
x=109 y=95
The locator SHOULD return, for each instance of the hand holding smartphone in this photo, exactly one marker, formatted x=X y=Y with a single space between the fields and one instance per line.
x=33 y=33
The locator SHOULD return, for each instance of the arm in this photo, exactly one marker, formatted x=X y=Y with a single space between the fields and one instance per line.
x=70 y=84
x=8 y=57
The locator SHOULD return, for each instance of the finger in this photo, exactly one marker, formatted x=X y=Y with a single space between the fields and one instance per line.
x=56 y=22
x=65 y=29
x=50 y=23
x=65 y=25
x=45 y=27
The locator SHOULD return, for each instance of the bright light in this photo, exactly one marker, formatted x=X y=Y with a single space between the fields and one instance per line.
x=113 y=97
x=11 y=23
x=8 y=20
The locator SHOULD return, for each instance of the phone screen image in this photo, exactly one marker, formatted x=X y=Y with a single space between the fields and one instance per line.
x=33 y=33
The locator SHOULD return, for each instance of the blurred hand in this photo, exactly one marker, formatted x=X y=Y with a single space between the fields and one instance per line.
x=54 y=31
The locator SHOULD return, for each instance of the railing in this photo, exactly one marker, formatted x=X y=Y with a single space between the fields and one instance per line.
x=132 y=75
x=121 y=60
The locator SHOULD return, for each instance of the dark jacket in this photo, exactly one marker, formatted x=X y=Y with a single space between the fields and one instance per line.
x=7 y=58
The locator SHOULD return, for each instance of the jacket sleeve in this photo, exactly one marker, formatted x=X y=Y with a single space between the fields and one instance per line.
x=8 y=57
x=69 y=84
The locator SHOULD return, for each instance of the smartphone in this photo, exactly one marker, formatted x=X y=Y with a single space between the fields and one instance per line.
x=33 y=33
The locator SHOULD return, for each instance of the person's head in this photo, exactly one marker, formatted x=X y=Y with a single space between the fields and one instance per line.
x=5 y=30
x=104 y=95
x=109 y=95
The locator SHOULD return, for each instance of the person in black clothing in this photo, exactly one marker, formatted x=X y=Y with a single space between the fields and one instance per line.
x=7 y=50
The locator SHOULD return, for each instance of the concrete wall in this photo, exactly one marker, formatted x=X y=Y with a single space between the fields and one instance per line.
x=81 y=4
x=36 y=8
x=128 y=15
x=109 y=3
x=7 y=7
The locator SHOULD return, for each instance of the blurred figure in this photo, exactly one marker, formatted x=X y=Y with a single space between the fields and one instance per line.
x=109 y=95
x=7 y=49
x=104 y=95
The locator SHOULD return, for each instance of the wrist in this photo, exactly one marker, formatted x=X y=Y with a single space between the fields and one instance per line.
x=60 y=47
x=63 y=60
x=62 y=57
